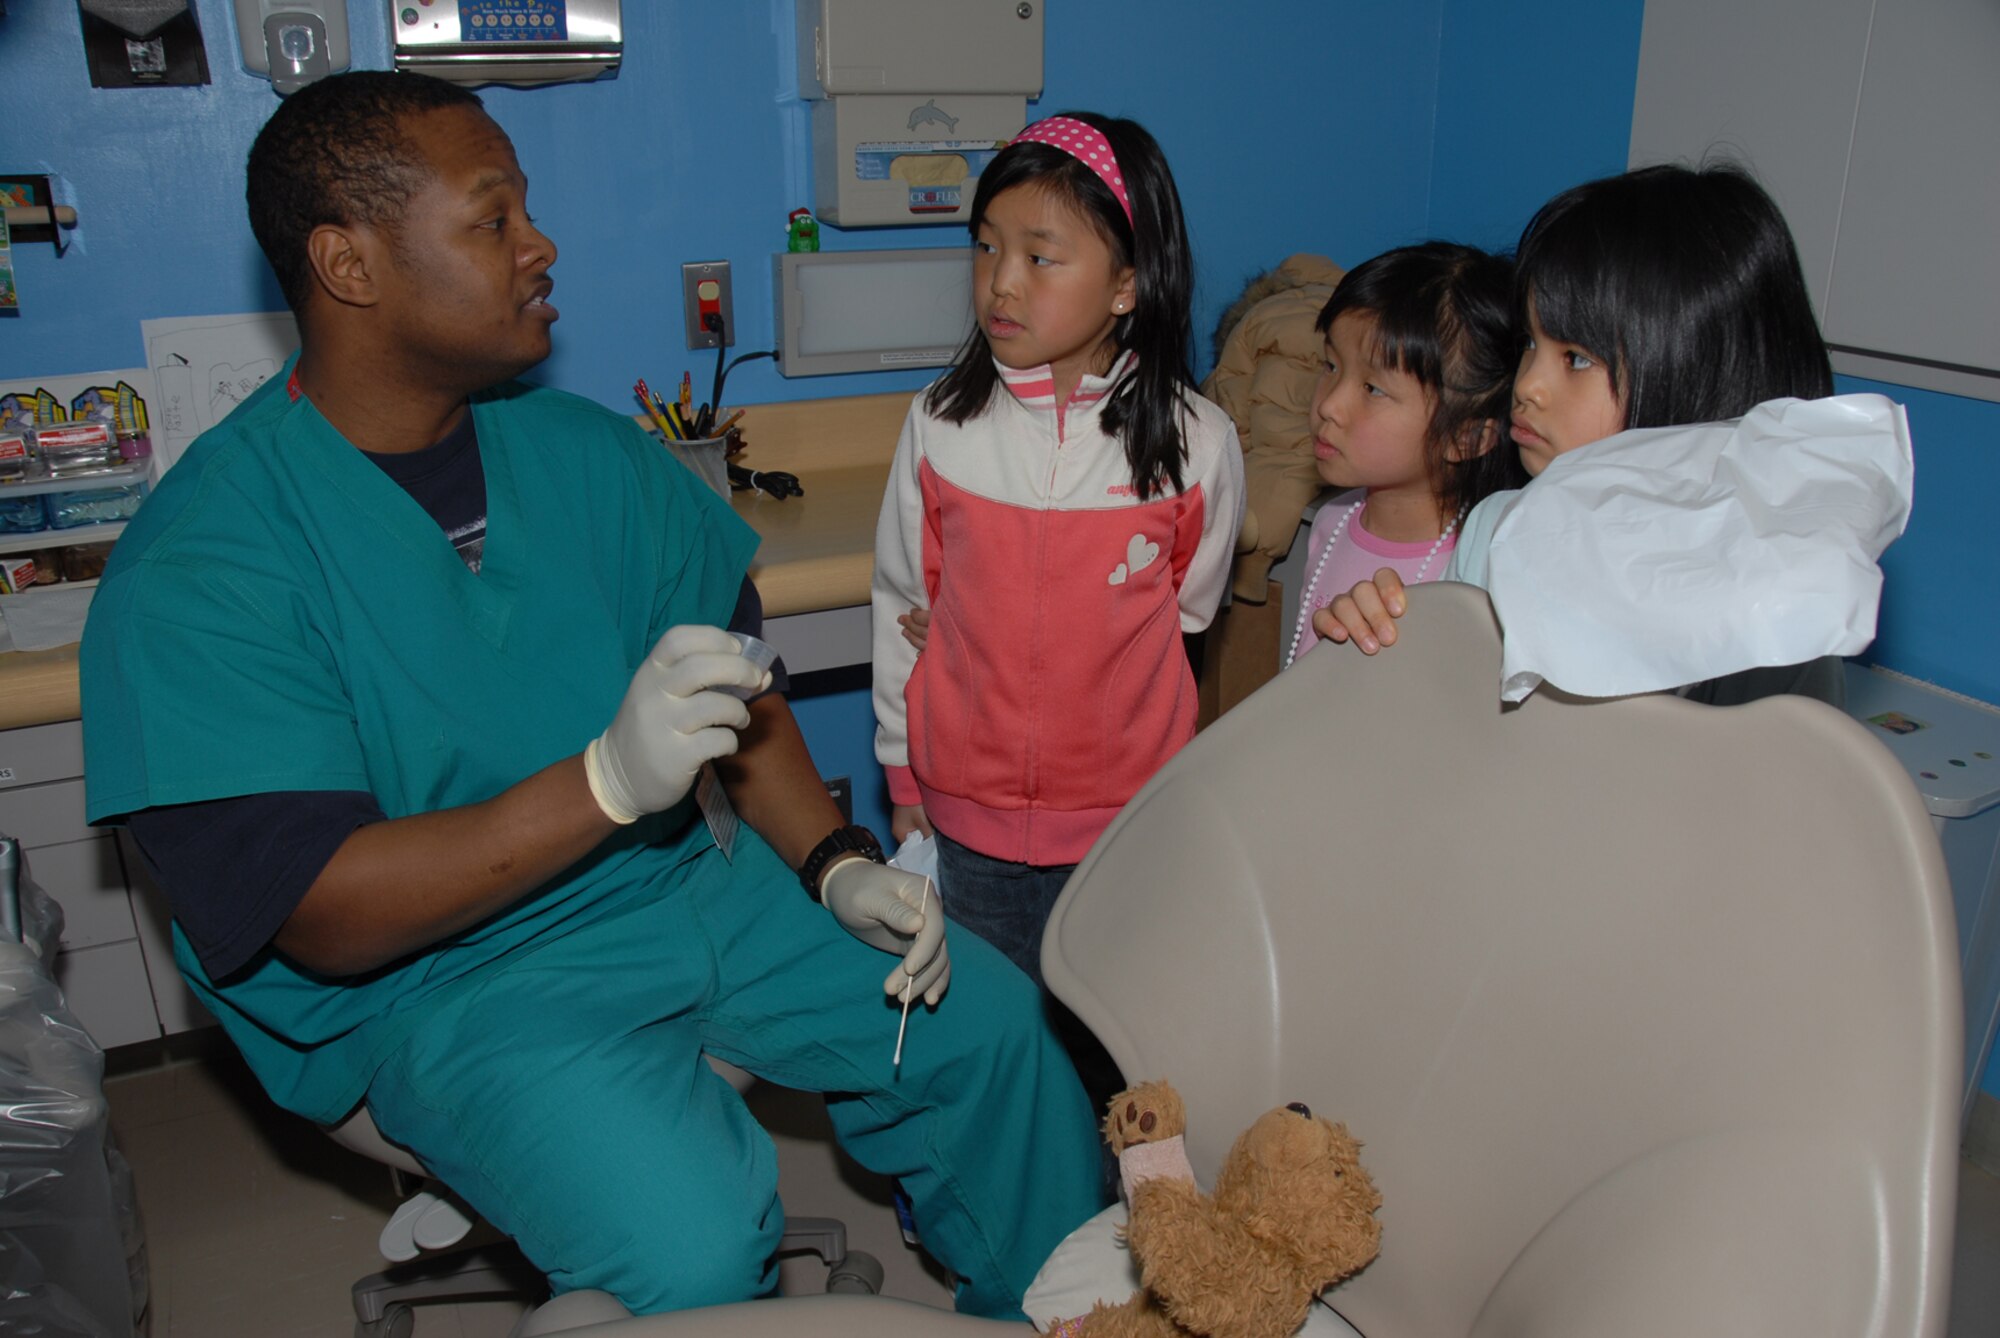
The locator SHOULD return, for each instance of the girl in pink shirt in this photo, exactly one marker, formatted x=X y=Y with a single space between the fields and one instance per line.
x=1420 y=354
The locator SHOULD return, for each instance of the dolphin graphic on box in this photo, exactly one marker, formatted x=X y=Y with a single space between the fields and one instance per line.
x=931 y=114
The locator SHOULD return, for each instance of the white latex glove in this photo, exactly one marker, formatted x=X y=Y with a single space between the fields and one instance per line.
x=885 y=908
x=671 y=722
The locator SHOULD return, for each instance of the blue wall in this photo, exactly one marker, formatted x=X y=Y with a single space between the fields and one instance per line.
x=698 y=150
x=1943 y=576
x=1532 y=99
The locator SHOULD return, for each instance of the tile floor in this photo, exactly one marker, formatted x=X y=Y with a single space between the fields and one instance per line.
x=257 y=1224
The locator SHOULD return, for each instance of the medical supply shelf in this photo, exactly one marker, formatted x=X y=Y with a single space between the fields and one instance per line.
x=124 y=476
x=82 y=534
x=120 y=477
x=1950 y=745
x=812 y=570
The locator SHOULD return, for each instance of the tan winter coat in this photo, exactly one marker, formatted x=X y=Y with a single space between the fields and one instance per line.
x=1264 y=376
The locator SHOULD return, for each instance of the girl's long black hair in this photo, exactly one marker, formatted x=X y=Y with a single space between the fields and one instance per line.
x=1444 y=314
x=1144 y=410
x=1685 y=281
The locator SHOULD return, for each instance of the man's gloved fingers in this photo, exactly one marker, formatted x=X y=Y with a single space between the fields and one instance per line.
x=897 y=915
x=692 y=639
x=709 y=744
x=705 y=710
x=925 y=956
x=928 y=944
x=711 y=669
x=928 y=984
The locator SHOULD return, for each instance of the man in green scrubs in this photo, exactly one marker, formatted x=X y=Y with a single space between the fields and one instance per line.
x=404 y=681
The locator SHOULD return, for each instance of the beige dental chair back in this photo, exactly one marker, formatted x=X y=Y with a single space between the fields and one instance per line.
x=1645 y=1012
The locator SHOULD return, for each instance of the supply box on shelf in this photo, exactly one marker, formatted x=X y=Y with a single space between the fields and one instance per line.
x=62 y=485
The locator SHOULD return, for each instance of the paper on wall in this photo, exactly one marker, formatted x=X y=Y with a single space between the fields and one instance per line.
x=204 y=366
x=1662 y=557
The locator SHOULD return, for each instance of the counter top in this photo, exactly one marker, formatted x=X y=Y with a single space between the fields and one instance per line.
x=818 y=550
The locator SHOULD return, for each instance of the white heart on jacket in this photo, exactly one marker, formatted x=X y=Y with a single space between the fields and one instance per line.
x=1139 y=555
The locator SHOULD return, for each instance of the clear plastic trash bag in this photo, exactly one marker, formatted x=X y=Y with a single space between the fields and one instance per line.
x=72 y=1250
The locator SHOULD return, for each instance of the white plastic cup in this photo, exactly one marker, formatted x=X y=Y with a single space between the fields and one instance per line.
x=759 y=653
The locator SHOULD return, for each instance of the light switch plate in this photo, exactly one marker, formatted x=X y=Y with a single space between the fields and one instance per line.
x=705 y=287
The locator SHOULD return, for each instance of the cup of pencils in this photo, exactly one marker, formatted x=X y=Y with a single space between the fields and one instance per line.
x=699 y=439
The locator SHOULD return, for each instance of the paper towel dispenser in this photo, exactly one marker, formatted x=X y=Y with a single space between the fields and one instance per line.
x=911 y=99
x=520 y=42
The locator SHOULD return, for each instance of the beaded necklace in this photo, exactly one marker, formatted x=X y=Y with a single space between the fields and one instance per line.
x=1306 y=605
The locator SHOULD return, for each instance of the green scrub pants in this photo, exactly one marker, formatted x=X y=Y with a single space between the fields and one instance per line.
x=565 y=1097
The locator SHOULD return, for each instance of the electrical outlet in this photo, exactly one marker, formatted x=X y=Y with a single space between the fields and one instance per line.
x=705 y=291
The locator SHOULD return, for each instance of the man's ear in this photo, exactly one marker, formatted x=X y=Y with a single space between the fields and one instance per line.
x=345 y=261
x=1475 y=439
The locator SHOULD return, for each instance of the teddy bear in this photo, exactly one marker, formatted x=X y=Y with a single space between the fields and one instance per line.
x=1293 y=1212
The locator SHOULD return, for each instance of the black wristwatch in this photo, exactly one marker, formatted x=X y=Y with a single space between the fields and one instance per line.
x=840 y=841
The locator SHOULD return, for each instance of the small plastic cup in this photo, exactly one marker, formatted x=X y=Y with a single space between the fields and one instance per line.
x=759 y=653
x=707 y=458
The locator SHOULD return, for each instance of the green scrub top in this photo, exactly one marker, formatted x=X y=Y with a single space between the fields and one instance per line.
x=281 y=615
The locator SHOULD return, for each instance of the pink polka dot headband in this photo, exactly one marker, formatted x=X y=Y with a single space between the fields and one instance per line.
x=1086 y=144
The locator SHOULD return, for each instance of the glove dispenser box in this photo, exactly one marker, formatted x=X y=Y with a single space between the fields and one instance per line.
x=911 y=99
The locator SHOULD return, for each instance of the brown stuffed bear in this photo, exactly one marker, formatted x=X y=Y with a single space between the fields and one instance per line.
x=1293 y=1212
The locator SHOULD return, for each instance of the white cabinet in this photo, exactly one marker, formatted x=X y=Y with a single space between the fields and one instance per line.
x=1871 y=123
x=116 y=965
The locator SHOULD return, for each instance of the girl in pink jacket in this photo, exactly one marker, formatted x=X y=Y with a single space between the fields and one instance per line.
x=1065 y=505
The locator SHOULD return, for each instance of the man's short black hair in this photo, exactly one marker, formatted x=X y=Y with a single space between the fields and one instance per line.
x=338 y=152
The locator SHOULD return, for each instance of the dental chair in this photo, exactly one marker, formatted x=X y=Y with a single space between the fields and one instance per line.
x=1644 y=1011
x=430 y=1261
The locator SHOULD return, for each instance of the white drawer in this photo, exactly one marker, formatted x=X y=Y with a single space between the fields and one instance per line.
x=173 y=1000
x=38 y=753
x=44 y=815
x=107 y=990
x=88 y=882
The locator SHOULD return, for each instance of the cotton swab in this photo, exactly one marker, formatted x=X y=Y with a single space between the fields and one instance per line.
x=908 y=981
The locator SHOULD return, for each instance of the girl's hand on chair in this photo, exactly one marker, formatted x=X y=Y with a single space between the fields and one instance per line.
x=907 y=818
x=1365 y=615
x=916 y=625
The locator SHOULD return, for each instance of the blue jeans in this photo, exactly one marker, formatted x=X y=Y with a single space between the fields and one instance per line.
x=1008 y=905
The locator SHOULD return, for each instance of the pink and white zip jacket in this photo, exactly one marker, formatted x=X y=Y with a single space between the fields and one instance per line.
x=1054 y=683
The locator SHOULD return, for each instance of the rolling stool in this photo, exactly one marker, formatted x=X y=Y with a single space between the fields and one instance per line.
x=434 y=1220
